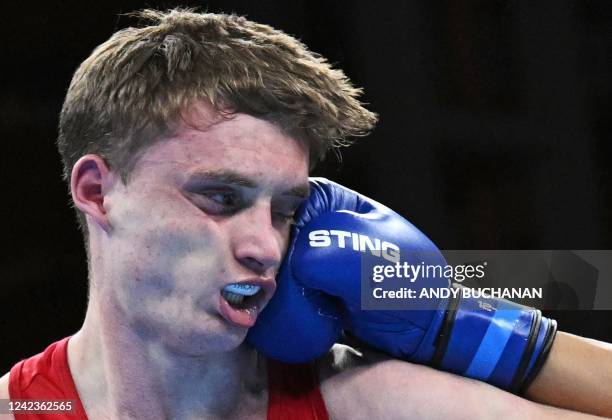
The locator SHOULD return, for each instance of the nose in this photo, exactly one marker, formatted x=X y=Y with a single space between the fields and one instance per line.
x=258 y=245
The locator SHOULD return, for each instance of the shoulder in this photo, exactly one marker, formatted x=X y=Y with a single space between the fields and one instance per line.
x=4 y=386
x=4 y=395
x=366 y=385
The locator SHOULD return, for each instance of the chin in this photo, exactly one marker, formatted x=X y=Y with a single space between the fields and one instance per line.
x=194 y=343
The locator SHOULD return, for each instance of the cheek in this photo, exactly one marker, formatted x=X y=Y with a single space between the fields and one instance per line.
x=172 y=283
x=180 y=250
x=169 y=256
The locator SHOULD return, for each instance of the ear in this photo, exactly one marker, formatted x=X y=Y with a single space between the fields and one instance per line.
x=90 y=175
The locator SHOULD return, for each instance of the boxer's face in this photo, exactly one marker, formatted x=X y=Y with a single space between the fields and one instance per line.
x=202 y=210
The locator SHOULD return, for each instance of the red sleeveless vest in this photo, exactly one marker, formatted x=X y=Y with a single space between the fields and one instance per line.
x=293 y=390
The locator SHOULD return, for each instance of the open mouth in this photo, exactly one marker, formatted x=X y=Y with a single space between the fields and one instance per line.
x=240 y=303
x=242 y=296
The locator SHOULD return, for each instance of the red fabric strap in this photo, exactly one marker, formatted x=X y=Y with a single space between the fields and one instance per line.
x=46 y=376
x=293 y=390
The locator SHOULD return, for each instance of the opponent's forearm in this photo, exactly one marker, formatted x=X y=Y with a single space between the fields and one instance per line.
x=399 y=390
x=577 y=375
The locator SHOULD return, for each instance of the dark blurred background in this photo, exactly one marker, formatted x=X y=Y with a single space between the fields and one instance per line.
x=494 y=132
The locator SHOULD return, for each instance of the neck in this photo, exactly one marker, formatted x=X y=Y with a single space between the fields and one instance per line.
x=121 y=373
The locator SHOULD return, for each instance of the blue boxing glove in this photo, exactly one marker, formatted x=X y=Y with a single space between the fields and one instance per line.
x=339 y=236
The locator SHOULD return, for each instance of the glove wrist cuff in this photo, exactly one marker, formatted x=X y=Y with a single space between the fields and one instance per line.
x=493 y=340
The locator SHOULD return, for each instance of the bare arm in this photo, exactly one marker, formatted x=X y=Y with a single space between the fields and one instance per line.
x=392 y=389
x=577 y=376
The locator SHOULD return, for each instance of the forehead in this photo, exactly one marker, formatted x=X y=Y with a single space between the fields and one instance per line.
x=241 y=143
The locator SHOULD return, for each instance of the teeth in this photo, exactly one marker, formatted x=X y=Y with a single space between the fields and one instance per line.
x=241 y=289
x=232 y=297
x=236 y=293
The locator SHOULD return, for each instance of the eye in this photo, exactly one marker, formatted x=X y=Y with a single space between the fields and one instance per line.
x=218 y=201
x=222 y=198
x=286 y=218
x=284 y=211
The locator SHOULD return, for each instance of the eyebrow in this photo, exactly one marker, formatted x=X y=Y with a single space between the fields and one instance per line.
x=240 y=180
